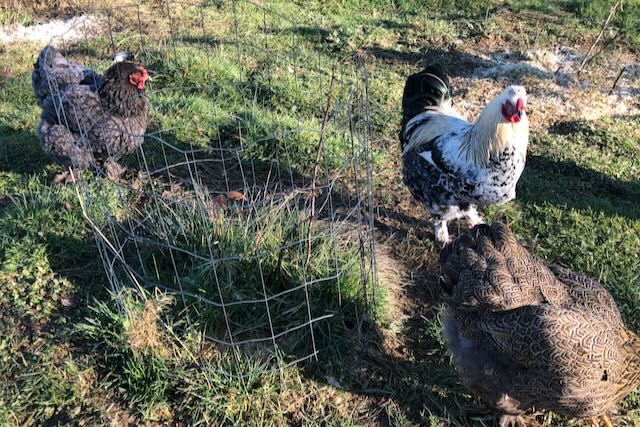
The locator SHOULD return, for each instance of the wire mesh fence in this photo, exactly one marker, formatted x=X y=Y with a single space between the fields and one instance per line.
x=250 y=199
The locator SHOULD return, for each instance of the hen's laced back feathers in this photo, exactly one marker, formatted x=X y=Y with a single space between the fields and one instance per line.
x=537 y=336
x=492 y=271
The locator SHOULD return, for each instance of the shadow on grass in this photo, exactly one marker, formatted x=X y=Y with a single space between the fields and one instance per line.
x=393 y=25
x=403 y=371
x=310 y=33
x=412 y=374
x=500 y=67
x=564 y=183
x=78 y=260
x=20 y=151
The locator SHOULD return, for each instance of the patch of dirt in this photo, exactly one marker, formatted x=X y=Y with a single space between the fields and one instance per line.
x=556 y=92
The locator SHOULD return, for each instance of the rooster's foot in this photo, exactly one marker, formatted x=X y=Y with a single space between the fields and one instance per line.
x=441 y=231
x=473 y=218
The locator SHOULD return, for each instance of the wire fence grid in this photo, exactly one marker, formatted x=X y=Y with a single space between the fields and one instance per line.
x=250 y=199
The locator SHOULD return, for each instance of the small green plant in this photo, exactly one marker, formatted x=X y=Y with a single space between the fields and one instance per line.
x=29 y=286
x=132 y=351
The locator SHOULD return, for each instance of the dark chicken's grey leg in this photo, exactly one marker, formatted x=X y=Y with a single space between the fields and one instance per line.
x=67 y=177
x=114 y=170
x=512 y=421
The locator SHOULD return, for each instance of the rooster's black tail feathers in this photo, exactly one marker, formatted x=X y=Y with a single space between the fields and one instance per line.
x=428 y=88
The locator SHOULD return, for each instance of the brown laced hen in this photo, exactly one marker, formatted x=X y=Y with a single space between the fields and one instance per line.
x=527 y=337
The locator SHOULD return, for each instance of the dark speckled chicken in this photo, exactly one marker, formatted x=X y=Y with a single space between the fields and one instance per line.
x=526 y=336
x=89 y=120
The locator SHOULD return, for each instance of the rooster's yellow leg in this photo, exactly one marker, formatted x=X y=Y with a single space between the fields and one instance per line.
x=594 y=422
x=606 y=421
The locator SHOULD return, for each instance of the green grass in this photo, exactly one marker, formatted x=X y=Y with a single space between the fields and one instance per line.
x=256 y=252
x=70 y=353
x=591 y=13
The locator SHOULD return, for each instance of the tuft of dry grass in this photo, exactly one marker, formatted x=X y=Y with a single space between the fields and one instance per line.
x=47 y=7
x=143 y=329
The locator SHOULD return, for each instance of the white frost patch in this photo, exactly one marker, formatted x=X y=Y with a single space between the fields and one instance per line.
x=556 y=64
x=70 y=29
x=562 y=59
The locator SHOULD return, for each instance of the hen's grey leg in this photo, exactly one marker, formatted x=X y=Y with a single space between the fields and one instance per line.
x=512 y=421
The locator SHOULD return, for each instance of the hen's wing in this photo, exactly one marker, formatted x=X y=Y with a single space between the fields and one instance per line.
x=487 y=268
x=64 y=146
x=563 y=359
x=588 y=293
x=564 y=340
x=76 y=107
x=105 y=135
x=53 y=72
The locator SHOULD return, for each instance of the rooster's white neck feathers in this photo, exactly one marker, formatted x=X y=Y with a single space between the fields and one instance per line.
x=485 y=138
x=491 y=134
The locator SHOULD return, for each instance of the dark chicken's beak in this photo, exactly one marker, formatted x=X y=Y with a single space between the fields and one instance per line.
x=519 y=113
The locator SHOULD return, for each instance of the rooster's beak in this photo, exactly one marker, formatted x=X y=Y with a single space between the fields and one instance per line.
x=519 y=107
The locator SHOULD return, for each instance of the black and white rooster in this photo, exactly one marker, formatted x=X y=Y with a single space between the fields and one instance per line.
x=453 y=166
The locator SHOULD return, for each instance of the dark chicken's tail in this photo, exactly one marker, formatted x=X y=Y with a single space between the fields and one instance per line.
x=428 y=88
x=53 y=71
x=41 y=79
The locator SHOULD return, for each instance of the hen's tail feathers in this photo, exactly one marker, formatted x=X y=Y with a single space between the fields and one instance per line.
x=53 y=71
x=41 y=77
x=427 y=89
